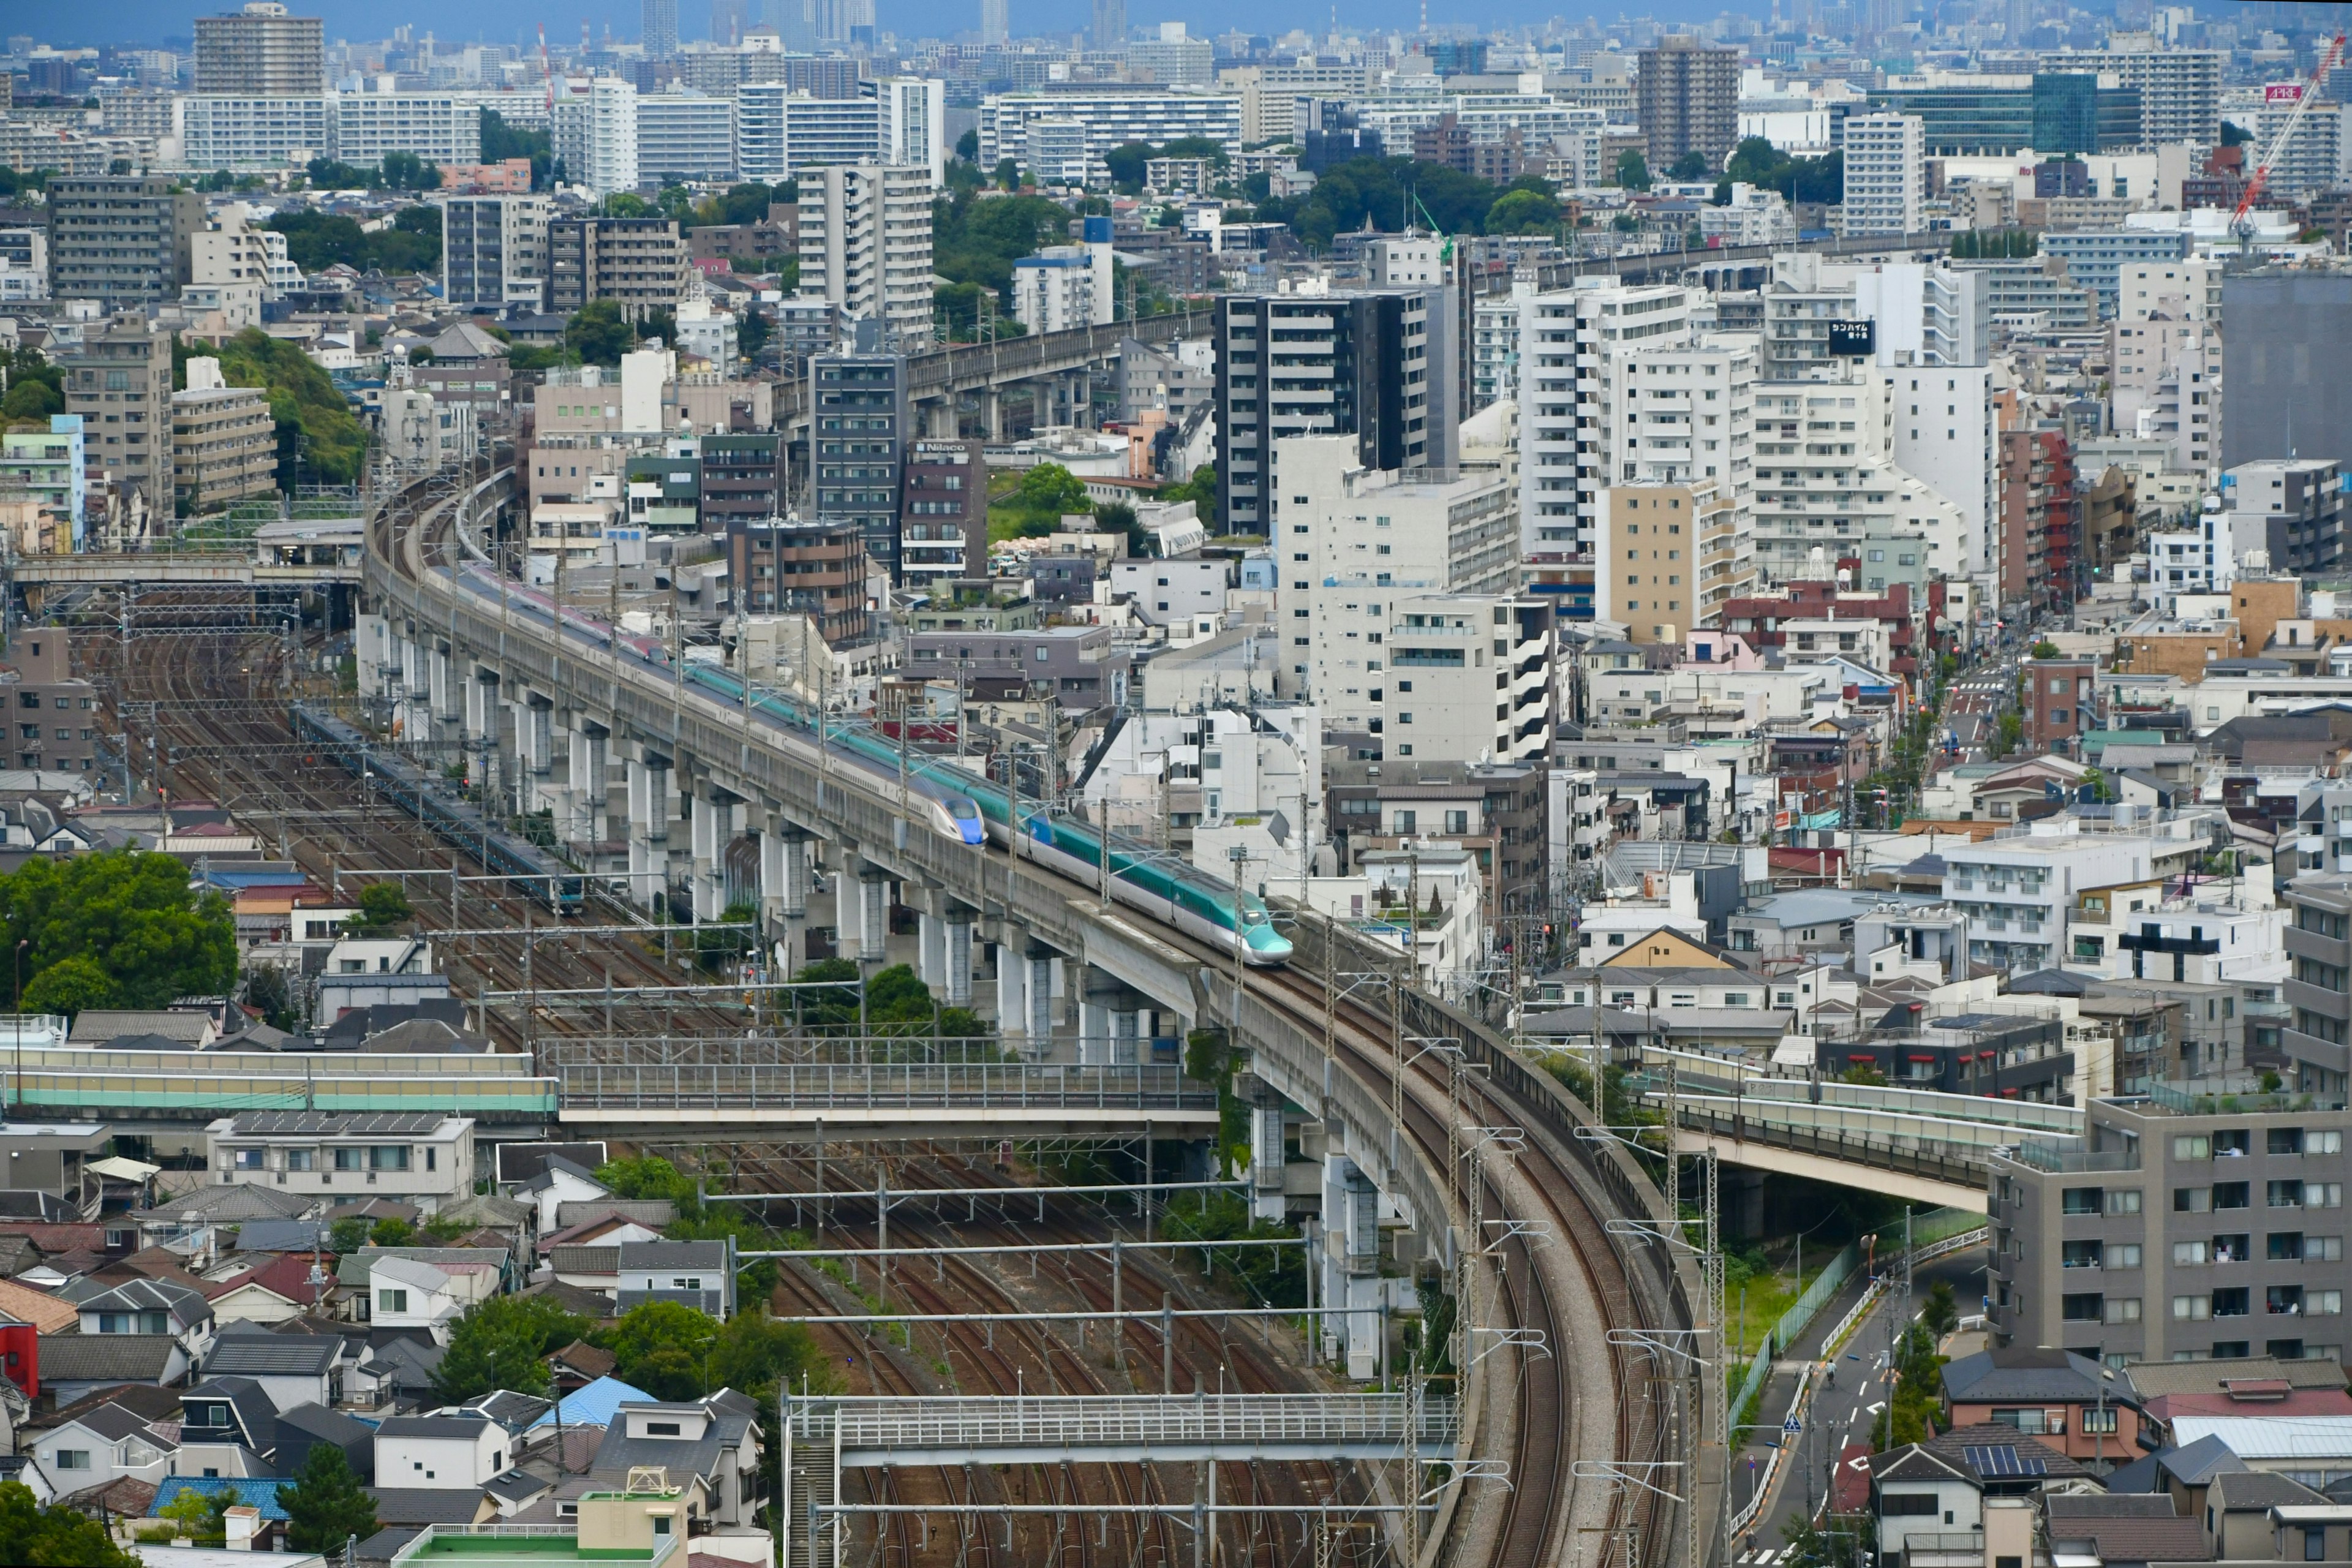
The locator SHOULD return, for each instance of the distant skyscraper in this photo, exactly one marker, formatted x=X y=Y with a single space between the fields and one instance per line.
x=993 y=27
x=1686 y=98
x=1111 y=24
x=728 y=19
x=660 y=30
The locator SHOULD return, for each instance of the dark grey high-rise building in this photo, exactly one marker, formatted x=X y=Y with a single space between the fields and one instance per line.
x=660 y=29
x=1686 y=99
x=2284 y=338
x=857 y=439
x=1378 y=364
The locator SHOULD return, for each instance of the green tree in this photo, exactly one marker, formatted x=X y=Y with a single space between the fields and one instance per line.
x=267 y=988
x=326 y=1506
x=659 y=1347
x=1942 y=1313
x=32 y=400
x=62 y=1537
x=2046 y=648
x=968 y=146
x=598 y=333
x=1633 y=170
x=755 y=1353
x=192 y=1512
x=1865 y=1074
x=136 y=936
x=1691 y=166
x=407 y=172
x=647 y=1176
x=383 y=906
x=347 y=1236
x=1201 y=489
x=1523 y=212
x=1126 y=163
x=501 y=141
x=502 y=1343
x=319 y=437
x=1053 y=490
x=390 y=1231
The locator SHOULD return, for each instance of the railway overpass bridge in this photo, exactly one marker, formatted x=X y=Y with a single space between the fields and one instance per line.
x=622 y=753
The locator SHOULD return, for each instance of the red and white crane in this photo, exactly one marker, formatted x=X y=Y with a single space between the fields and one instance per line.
x=2305 y=95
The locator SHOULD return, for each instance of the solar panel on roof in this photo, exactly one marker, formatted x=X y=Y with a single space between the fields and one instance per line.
x=1998 y=1460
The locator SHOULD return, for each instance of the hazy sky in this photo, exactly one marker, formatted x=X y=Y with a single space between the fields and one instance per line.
x=91 y=21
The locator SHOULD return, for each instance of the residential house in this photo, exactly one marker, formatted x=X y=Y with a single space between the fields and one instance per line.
x=2127 y=1529
x=194 y=1220
x=419 y=1157
x=587 y=1268
x=693 y=1273
x=99 y=1447
x=2236 y=1525
x=75 y=1364
x=2069 y=1402
x=291 y=1368
x=599 y=1228
x=396 y=1375
x=715 y=1440
x=558 y=1181
x=151 y=1307
x=409 y=1293
x=225 y=1414
x=278 y=1289
x=439 y=1452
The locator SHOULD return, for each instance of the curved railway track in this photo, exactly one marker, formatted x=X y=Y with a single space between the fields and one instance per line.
x=1586 y=1399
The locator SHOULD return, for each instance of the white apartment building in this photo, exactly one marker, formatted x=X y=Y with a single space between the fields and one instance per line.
x=418 y=1157
x=779 y=133
x=1362 y=540
x=1469 y=678
x=1111 y=115
x=1684 y=414
x=910 y=123
x=2016 y=888
x=2186 y=291
x=684 y=135
x=866 y=243
x=1886 y=174
x=1824 y=479
x=439 y=127
x=1753 y=217
x=1494 y=342
x=1056 y=289
x=241 y=133
x=1924 y=314
x=2311 y=160
x=1943 y=435
x=596 y=134
x=228 y=249
x=494 y=251
x=1566 y=339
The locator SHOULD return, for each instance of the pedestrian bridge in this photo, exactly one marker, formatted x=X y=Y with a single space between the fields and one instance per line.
x=878 y=1432
x=292 y=552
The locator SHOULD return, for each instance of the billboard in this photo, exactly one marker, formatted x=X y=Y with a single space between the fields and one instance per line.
x=1853 y=339
x=2283 y=92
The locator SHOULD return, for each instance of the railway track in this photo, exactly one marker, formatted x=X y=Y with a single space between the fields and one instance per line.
x=1612 y=1409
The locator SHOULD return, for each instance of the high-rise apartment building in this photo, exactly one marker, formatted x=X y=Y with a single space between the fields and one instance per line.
x=859 y=425
x=910 y=124
x=1686 y=99
x=2282 y=335
x=223 y=446
x=1886 y=174
x=261 y=52
x=866 y=244
x=2180 y=90
x=1567 y=339
x=683 y=136
x=943 y=512
x=1826 y=481
x=782 y=130
x=494 y=252
x=995 y=30
x=638 y=262
x=658 y=29
x=596 y=134
x=120 y=381
x=1357 y=543
x=121 y=239
x=1376 y=364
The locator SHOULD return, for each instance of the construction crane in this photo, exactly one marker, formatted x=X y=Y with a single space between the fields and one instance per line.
x=2305 y=95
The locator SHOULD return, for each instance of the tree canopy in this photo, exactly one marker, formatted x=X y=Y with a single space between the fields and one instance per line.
x=500 y=1343
x=317 y=239
x=975 y=241
x=659 y=1347
x=598 y=333
x=501 y=141
x=1386 y=193
x=326 y=1506
x=1755 y=162
x=60 y=1537
x=115 y=930
x=318 y=437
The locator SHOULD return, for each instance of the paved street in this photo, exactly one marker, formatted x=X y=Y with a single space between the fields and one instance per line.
x=1846 y=1403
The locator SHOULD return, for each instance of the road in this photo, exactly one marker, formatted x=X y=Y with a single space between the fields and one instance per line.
x=1846 y=1402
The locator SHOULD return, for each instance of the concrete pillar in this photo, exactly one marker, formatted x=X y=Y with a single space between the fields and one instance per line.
x=992 y=415
x=704 y=847
x=481 y=705
x=958 y=922
x=873 y=912
x=931 y=951
x=1351 y=1265
x=580 y=824
x=539 y=751
x=1039 y=991
x=445 y=695
x=1126 y=1046
x=1012 y=996
x=1265 y=1150
x=1093 y=1029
